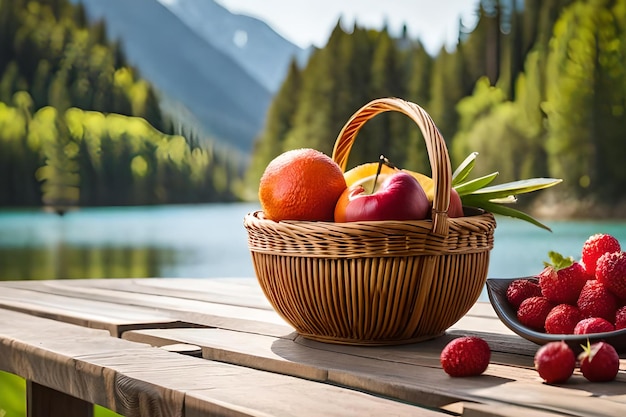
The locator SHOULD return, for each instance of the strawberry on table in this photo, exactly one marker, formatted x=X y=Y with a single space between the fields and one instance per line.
x=611 y=271
x=465 y=356
x=596 y=246
x=562 y=279
x=593 y=325
x=555 y=362
x=599 y=362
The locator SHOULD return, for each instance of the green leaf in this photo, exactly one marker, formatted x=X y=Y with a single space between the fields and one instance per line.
x=516 y=187
x=495 y=208
x=477 y=193
x=475 y=184
x=464 y=169
x=558 y=261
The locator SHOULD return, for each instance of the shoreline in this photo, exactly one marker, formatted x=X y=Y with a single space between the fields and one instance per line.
x=555 y=207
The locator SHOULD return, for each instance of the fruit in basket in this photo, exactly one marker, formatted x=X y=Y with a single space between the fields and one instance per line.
x=371 y=176
x=367 y=172
x=555 y=362
x=611 y=271
x=599 y=362
x=562 y=279
x=471 y=193
x=456 y=205
x=465 y=356
x=398 y=197
x=301 y=184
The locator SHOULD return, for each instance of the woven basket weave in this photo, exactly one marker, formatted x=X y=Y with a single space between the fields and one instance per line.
x=382 y=282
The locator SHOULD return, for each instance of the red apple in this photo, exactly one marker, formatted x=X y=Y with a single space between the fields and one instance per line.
x=399 y=197
x=456 y=206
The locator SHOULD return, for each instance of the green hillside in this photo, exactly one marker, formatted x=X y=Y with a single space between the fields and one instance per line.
x=80 y=127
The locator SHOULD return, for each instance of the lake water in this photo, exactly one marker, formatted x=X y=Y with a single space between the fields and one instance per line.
x=205 y=241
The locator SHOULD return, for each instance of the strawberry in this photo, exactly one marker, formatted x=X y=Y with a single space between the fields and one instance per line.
x=620 y=318
x=555 y=362
x=465 y=356
x=611 y=271
x=562 y=279
x=596 y=246
x=562 y=319
x=599 y=362
x=595 y=300
x=533 y=312
x=521 y=289
x=593 y=325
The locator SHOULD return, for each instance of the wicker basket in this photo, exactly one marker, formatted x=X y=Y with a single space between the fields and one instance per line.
x=375 y=283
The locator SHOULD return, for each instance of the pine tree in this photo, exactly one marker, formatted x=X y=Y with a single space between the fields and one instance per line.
x=279 y=121
x=355 y=89
x=446 y=90
x=389 y=130
x=418 y=91
x=313 y=120
x=585 y=79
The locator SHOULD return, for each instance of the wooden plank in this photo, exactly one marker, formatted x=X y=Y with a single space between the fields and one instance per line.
x=255 y=352
x=409 y=373
x=43 y=351
x=244 y=292
x=277 y=400
x=232 y=303
x=199 y=312
x=138 y=380
x=483 y=410
x=42 y=401
x=95 y=314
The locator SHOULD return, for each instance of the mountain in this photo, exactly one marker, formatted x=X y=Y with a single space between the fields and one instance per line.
x=190 y=72
x=249 y=41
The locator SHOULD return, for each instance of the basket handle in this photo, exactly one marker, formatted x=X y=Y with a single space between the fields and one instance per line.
x=435 y=146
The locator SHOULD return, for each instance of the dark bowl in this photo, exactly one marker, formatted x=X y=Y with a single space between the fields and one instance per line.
x=496 y=289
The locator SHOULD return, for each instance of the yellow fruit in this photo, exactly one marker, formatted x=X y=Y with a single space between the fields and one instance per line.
x=301 y=184
x=361 y=172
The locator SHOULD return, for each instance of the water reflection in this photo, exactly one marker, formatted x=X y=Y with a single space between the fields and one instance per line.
x=63 y=261
x=209 y=241
x=194 y=241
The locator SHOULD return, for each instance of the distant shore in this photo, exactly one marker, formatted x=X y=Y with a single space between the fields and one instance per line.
x=553 y=207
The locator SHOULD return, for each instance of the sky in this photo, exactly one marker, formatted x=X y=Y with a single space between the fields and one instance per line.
x=306 y=23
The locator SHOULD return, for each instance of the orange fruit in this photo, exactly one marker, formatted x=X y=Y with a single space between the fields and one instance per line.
x=301 y=184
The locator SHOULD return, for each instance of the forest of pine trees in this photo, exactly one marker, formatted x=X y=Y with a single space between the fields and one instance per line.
x=538 y=89
x=79 y=127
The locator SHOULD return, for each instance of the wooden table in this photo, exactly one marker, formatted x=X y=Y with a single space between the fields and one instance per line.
x=191 y=347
